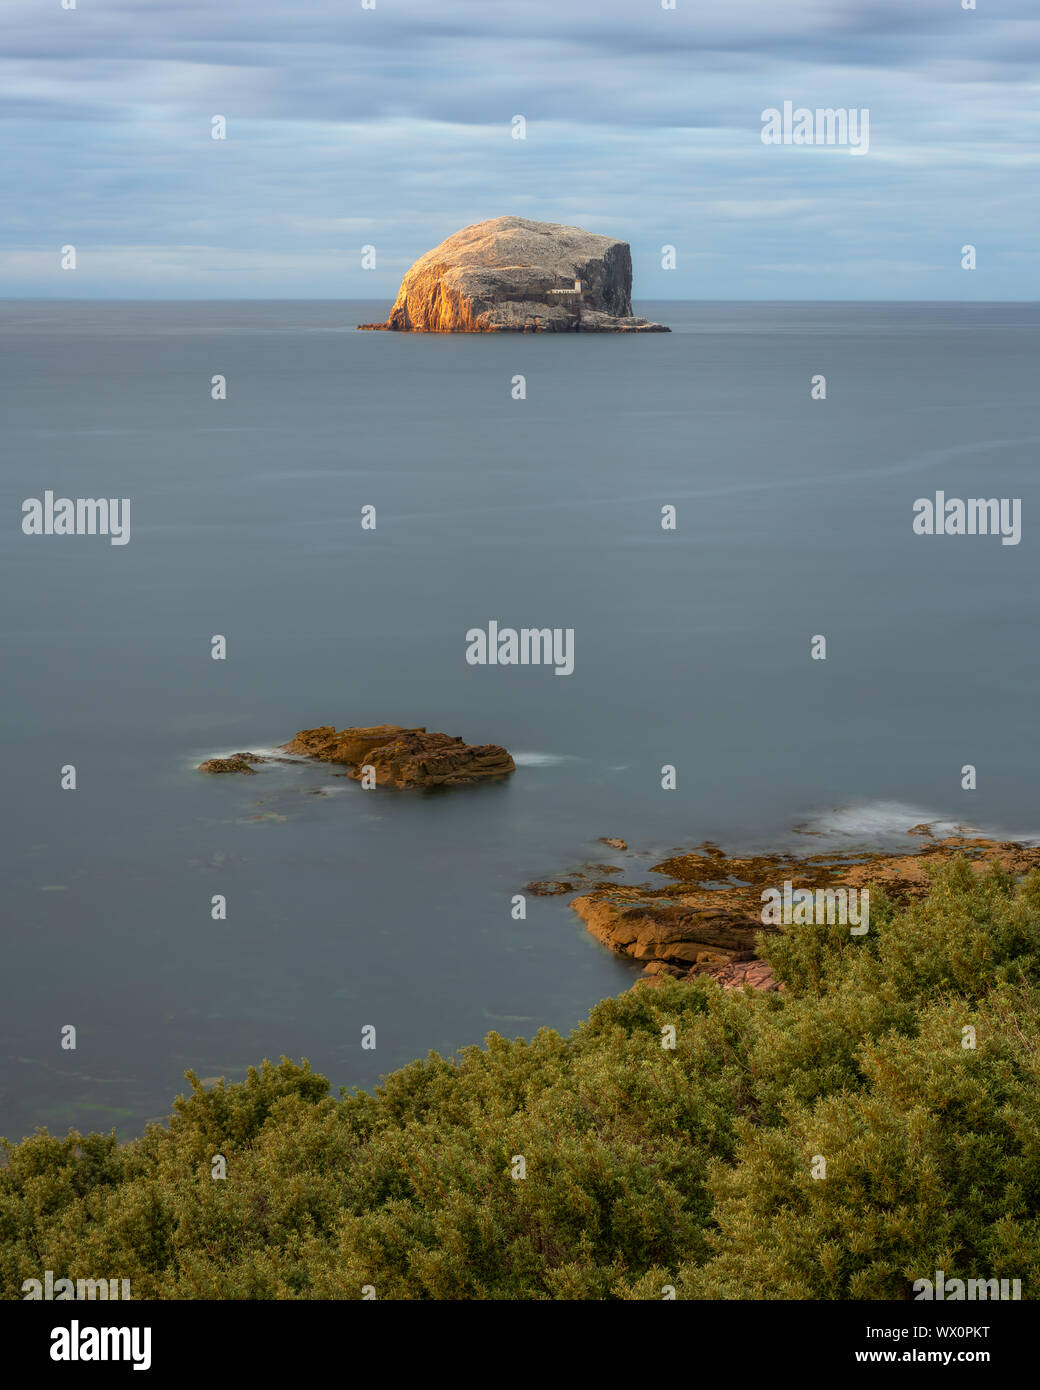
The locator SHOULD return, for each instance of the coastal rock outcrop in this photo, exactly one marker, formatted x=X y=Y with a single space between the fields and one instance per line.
x=401 y=757
x=511 y=275
x=707 y=918
x=681 y=934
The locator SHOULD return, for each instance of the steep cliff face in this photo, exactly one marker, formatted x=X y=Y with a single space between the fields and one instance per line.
x=506 y=276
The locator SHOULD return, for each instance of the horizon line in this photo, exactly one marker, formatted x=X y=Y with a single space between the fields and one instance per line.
x=331 y=299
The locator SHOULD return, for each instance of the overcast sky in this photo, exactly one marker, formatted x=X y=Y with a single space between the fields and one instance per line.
x=392 y=127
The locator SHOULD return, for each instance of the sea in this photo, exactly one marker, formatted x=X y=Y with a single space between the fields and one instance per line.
x=527 y=480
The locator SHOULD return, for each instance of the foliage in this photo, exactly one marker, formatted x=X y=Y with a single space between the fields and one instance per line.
x=646 y=1166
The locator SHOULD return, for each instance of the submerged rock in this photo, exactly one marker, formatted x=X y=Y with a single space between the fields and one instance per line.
x=511 y=275
x=401 y=757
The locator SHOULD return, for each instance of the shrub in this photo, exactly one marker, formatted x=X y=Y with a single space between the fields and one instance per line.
x=645 y=1165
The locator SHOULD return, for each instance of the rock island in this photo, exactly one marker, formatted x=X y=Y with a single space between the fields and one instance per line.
x=510 y=275
x=393 y=756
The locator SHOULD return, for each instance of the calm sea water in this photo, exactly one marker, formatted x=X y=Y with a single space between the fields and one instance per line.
x=349 y=908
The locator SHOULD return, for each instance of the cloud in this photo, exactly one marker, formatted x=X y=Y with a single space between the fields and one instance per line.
x=392 y=126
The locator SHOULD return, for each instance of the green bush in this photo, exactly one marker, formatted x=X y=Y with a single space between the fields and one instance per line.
x=646 y=1166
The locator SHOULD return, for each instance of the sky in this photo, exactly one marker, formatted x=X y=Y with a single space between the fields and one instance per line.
x=392 y=127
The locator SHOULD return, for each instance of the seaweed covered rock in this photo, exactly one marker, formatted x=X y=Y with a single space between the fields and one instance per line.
x=237 y=762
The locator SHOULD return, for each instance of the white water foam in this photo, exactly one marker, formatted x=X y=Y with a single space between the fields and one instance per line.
x=542 y=759
x=877 y=821
x=260 y=750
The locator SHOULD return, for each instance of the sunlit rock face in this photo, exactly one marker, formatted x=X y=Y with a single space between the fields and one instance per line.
x=510 y=275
